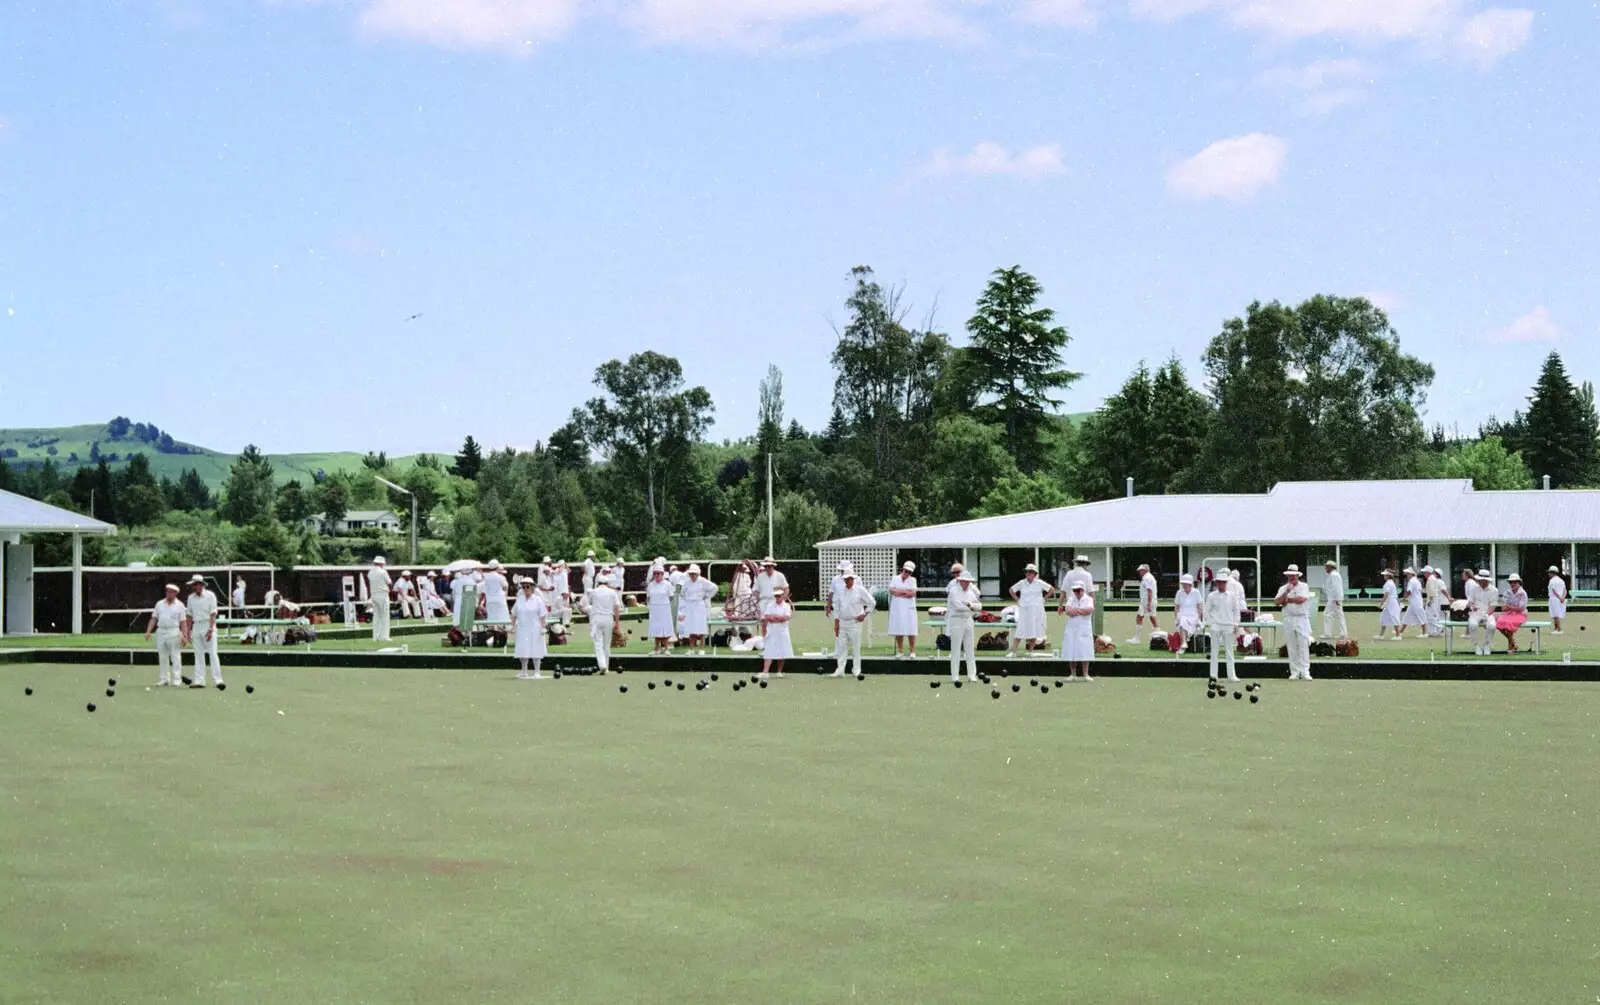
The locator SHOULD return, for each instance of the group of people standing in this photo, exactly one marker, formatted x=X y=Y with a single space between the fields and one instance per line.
x=1488 y=608
x=189 y=622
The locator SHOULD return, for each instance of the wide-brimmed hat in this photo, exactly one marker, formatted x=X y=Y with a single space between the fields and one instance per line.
x=1387 y=572
x=1330 y=564
x=1513 y=578
x=1222 y=577
x=694 y=570
x=589 y=553
x=405 y=574
x=545 y=560
x=1484 y=574
x=1186 y=580
x=1554 y=571
x=769 y=560
x=173 y=587
x=197 y=578
x=1293 y=570
x=494 y=563
x=1077 y=584
x=380 y=560
x=909 y=567
x=963 y=576
x=1081 y=560
x=1408 y=571
x=1030 y=567
x=1143 y=567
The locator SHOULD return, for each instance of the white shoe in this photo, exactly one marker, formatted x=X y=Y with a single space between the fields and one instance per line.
x=1232 y=679
x=1556 y=632
x=536 y=675
x=1134 y=642
x=1306 y=675
x=763 y=675
x=839 y=672
x=972 y=680
x=1087 y=678
x=1011 y=655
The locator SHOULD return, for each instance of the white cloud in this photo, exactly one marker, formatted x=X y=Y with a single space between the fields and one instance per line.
x=1236 y=168
x=1383 y=300
x=1534 y=326
x=1497 y=32
x=510 y=25
x=1323 y=85
x=1031 y=164
x=1072 y=13
x=771 y=22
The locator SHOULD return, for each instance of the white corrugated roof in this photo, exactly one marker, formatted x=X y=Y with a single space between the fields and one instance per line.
x=1293 y=513
x=21 y=515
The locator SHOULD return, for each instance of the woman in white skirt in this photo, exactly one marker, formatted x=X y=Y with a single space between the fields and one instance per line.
x=1389 y=617
x=658 y=595
x=1558 y=600
x=1077 y=642
x=903 y=612
x=694 y=608
x=1030 y=592
x=1415 y=612
x=776 y=618
x=527 y=620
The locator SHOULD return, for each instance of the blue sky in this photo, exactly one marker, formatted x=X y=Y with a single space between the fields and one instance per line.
x=217 y=214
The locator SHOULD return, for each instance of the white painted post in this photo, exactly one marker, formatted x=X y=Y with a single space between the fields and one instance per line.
x=77 y=584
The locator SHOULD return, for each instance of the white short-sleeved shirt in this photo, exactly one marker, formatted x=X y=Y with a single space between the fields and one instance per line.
x=238 y=596
x=1147 y=588
x=1299 y=589
x=1030 y=594
x=767 y=586
x=1188 y=602
x=853 y=602
x=378 y=581
x=604 y=602
x=169 y=615
x=201 y=608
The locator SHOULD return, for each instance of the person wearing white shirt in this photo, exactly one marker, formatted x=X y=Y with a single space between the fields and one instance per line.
x=588 y=572
x=239 y=610
x=603 y=604
x=658 y=601
x=1030 y=592
x=677 y=578
x=547 y=583
x=1186 y=608
x=378 y=591
x=464 y=608
x=1147 y=605
x=1236 y=591
x=903 y=612
x=767 y=583
x=428 y=596
x=1077 y=639
x=1333 y=622
x=1434 y=596
x=200 y=624
x=850 y=610
x=1079 y=573
x=1222 y=622
x=1558 y=600
x=406 y=592
x=1294 y=600
x=1389 y=616
x=835 y=589
x=494 y=590
x=694 y=608
x=166 y=623
x=1481 y=604
x=1413 y=614
x=775 y=617
x=527 y=622
x=962 y=601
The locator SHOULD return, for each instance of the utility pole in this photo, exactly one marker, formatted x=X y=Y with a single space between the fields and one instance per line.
x=413 y=495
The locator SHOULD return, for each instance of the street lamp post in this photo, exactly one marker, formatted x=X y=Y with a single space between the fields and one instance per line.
x=413 y=496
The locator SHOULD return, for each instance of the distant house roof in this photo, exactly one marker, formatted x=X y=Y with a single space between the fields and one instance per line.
x=360 y=516
x=1292 y=513
x=21 y=515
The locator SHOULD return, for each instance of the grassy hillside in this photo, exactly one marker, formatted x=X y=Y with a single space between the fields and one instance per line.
x=70 y=447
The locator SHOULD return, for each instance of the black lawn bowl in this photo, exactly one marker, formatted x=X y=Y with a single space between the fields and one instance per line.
x=861 y=677
x=995 y=693
x=112 y=682
x=1061 y=683
x=1045 y=689
x=1004 y=672
x=623 y=689
x=715 y=677
x=1015 y=688
x=755 y=678
x=1116 y=656
x=1034 y=682
x=110 y=693
x=652 y=685
x=763 y=683
x=1254 y=698
x=700 y=686
x=186 y=681
x=933 y=683
x=1211 y=694
x=91 y=706
x=666 y=683
x=249 y=689
x=221 y=686
x=27 y=690
x=680 y=685
x=1237 y=695
x=957 y=683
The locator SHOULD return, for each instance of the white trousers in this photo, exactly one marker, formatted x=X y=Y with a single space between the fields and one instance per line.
x=963 y=646
x=169 y=653
x=848 y=646
x=380 y=621
x=600 y=630
x=1480 y=627
x=1333 y=623
x=1222 y=639
x=409 y=608
x=1299 y=646
x=202 y=649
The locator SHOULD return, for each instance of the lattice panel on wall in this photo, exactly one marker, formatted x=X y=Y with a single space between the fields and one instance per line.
x=874 y=566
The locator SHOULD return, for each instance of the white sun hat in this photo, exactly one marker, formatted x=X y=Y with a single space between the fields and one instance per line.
x=1030 y=567
x=1293 y=570
x=380 y=560
x=1186 y=580
x=964 y=576
x=197 y=578
x=909 y=567
x=694 y=570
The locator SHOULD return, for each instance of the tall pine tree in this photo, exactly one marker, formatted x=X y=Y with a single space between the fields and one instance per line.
x=469 y=461
x=1559 y=440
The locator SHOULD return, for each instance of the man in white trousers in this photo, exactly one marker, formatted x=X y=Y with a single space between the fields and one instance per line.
x=405 y=590
x=239 y=610
x=850 y=610
x=1294 y=600
x=200 y=624
x=1222 y=622
x=166 y=623
x=588 y=572
x=1333 y=623
x=603 y=604
x=1147 y=606
x=378 y=584
x=1481 y=603
x=1434 y=596
x=830 y=606
x=962 y=602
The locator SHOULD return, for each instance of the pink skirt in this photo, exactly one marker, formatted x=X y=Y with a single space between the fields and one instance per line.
x=1510 y=621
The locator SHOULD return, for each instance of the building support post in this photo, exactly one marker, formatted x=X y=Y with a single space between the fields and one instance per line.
x=77 y=584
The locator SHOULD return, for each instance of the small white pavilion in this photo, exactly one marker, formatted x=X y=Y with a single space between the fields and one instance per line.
x=20 y=515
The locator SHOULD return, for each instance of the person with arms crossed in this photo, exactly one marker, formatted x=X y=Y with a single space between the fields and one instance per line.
x=851 y=610
x=1294 y=600
x=1077 y=639
x=658 y=601
x=767 y=584
x=1030 y=592
x=962 y=602
x=378 y=588
x=775 y=618
x=903 y=612
x=694 y=608
x=1147 y=606
x=495 y=606
x=166 y=623
x=527 y=621
x=1222 y=623
x=588 y=572
x=1333 y=622
x=200 y=625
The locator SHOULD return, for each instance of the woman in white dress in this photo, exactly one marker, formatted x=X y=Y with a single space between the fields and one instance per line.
x=527 y=620
x=776 y=618
x=658 y=601
x=1077 y=642
x=1414 y=613
x=903 y=612
x=1030 y=593
x=494 y=594
x=1389 y=617
x=694 y=608
x=1558 y=600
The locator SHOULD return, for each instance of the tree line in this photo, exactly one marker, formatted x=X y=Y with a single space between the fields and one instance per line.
x=921 y=430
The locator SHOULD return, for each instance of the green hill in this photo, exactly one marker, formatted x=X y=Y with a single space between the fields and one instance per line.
x=72 y=447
